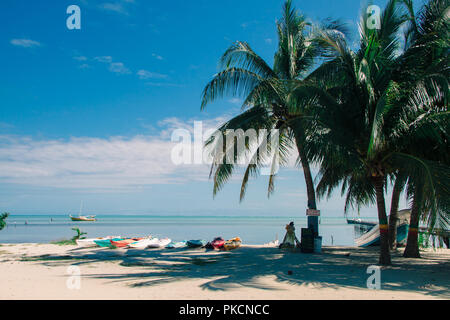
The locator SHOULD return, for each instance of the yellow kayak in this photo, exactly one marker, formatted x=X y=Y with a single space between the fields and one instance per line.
x=232 y=243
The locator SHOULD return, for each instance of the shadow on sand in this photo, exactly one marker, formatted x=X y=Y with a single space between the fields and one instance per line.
x=334 y=268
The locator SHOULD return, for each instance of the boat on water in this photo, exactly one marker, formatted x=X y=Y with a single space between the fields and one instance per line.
x=232 y=243
x=196 y=243
x=359 y=221
x=177 y=244
x=81 y=217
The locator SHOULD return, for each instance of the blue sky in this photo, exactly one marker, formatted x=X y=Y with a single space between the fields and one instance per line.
x=87 y=114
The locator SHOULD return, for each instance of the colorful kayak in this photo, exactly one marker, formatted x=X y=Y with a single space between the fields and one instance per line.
x=141 y=244
x=159 y=243
x=196 y=243
x=91 y=242
x=232 y=243
x=218 y=243
x=106 y=242
x=176 y=244
x=124 y=243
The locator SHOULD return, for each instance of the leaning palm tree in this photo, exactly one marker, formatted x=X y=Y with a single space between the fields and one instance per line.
x=265 y=91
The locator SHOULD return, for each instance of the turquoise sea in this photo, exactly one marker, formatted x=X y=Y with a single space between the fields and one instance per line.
x=252 y=230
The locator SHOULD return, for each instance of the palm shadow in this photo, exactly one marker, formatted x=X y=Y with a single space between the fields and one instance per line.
x=247 y=266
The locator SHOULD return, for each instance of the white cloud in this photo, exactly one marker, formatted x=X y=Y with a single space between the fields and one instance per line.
x=116 y=67
x=104 y=59
x=119 y=6
x=114 y=163
x=235 y=101
x=114 y=7
x=144 y=74
x=93 y=163
x=80 y=58
x=26 y=43
x=119 y=67
x=156 y=56
x=100 y=163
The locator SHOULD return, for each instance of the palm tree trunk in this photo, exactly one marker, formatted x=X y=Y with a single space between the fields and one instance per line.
x=412 y=245
x=385 y=255
x=393 y=217
x=313 y=222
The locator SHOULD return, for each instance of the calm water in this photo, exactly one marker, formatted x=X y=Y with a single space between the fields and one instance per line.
x=252 y=230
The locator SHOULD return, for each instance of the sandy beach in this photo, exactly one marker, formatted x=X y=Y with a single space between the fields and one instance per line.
x=40 y=271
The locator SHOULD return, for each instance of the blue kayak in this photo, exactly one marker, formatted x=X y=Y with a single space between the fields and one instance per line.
x=105 y=242
x=177 y=244
x=196 y=243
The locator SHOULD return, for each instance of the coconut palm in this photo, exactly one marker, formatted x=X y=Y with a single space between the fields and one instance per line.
x=368 y=119
x=355 y=92
x=424 y=70
x=399 y=185
x=265 y=91
x=3 y=217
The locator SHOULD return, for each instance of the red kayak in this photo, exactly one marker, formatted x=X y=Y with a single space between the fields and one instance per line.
x=125 y=242
x=218 y=243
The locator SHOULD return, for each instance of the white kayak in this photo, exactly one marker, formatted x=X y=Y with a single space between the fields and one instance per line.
x=158 y=243
x=141 y=244
x=90 y=242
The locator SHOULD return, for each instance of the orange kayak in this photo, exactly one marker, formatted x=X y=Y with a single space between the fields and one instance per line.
x=125 y=242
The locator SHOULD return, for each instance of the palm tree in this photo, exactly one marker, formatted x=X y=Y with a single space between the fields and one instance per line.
x=424 y=70
x=368 y=120
x=353 y=92
x=3 y=217
x=266 y=91
x=399 y=184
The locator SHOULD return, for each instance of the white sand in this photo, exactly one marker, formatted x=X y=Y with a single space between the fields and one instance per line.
x=39 y=271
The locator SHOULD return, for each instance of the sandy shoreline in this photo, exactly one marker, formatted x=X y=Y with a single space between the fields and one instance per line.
x=40 y=271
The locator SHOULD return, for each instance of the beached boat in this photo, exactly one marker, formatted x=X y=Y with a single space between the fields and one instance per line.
x=218 y=243
x=177 y=244
x=141 y=244
x=106 y=242
x=124 y=242
x=91 y=242
x=159 y=243
x=81 y=217
x=232 y=243
x=196 y=243
x=372 y=237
